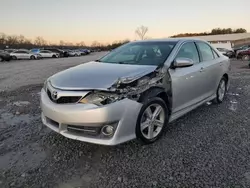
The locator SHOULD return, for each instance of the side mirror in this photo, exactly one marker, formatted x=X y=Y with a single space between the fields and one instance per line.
x=182 y=62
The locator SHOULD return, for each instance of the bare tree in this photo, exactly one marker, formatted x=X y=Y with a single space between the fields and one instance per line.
x=62 y=43
x=141 y=32
x=81 y=44
x=95 y=44
x=39 y=41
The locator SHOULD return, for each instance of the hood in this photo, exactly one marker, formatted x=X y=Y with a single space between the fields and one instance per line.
x=96 y=75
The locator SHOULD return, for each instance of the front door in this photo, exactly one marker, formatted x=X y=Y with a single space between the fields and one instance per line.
x=187 y=82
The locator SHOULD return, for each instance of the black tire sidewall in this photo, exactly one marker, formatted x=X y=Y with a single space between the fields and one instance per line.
x=139 y=135
x=32 y=57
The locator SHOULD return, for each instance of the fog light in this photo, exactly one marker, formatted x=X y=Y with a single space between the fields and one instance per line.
x=108 y=130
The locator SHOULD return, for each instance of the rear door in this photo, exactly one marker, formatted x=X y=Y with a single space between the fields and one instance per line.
x=211 y=67
x=187 y=82
x=45 y=53
x=26 y=55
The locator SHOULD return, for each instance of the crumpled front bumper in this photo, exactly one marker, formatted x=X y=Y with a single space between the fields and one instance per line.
x=122 y=114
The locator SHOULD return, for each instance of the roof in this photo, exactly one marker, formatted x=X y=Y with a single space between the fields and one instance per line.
x=169 y=39
x=226 y=37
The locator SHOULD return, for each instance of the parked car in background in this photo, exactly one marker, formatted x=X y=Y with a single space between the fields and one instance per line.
x=58 y=51
x=134 y=91
x=9 y=50
x=83 y=52
x=74 y=53
x=236 y=49
x=244 y=54
x=226 y=52
x=24 y=54
x=35 y=50
x=48 y=53
x=4 y=56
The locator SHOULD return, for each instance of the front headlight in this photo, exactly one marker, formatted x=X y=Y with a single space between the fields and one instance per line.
x=45 y=85
x=99 y=98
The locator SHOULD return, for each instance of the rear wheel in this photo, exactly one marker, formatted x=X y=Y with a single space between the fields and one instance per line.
x=152 y=120
x=1 y=59
x=14 y=57
x=53 y=56
x=245 y=57
x=221 y=91
x=32 y=57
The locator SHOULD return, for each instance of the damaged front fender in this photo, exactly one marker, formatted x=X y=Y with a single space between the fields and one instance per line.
x=133 y=87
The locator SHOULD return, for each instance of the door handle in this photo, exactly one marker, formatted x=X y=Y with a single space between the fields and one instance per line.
x=202 y=69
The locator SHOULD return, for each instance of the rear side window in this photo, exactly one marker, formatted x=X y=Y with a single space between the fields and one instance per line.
x=189 y=50
x=206 y=52
x=215 y=54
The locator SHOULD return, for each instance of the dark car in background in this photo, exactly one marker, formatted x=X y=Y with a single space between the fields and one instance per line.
x=9 y=50
x=227 y=52
x=244 y=54
x=62 y=53
x=236 y=49
x=4 y=56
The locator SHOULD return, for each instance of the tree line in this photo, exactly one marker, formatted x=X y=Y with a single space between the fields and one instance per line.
x=20 y=41
x=216 y=31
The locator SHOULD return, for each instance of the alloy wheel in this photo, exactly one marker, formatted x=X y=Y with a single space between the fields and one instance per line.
x=152 y=121
x=222 y=90
x=246 y=58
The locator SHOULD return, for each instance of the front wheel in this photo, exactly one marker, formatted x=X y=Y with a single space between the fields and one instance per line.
x=221 y=91
x=32 y=57
x=53 y=56
x=152 y=120
x=245 y=57
x=14 y=57
x=1 y=59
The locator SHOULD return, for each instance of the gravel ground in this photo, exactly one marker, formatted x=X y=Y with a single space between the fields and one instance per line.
x=209 y=147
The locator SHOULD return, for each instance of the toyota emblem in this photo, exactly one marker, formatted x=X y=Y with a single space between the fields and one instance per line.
x=54 y=95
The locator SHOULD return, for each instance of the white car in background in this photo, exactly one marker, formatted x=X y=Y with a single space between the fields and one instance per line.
x=47 y=53
x=74 y=53
x=24 y=54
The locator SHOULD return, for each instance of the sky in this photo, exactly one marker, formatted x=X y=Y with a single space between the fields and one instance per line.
x=112 y=20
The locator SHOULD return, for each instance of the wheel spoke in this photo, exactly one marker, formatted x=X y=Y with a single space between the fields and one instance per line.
x=158 y=123
x=150 y=131
x=144 y=125
x=157 y=111
x=149 y=113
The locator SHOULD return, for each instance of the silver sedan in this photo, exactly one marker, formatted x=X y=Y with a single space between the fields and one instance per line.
x=135 y=91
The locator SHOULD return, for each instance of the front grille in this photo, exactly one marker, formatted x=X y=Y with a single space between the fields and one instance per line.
x=84 y=130
x=64 y=100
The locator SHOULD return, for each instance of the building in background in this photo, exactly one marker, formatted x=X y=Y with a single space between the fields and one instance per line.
x=226 y=41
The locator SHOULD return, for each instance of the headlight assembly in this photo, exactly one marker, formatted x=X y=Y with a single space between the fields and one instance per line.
x=99 y=98
x=45 y=85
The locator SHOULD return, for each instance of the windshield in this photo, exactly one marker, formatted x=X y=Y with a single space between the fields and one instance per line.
x=140 y=53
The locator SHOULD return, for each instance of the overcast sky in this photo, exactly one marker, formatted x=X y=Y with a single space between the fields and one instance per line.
x=109 y=20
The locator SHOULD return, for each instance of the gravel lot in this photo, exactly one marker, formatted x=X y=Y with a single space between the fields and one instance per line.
x=208 y=147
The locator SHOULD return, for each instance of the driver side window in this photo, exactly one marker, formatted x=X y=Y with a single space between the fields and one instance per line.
x=189 y=50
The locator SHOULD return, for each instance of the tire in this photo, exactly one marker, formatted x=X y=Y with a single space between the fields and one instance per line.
x=221 y=91
x=14 y=57
x=1 y=59
x=149 y=129
x=53 y=56
x=32 y=57
x=245 y=58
